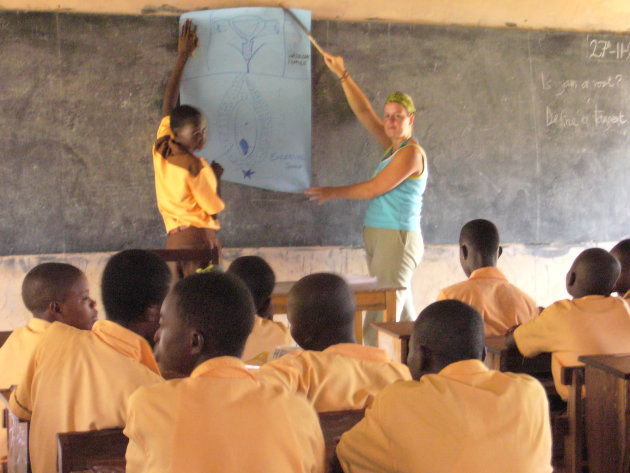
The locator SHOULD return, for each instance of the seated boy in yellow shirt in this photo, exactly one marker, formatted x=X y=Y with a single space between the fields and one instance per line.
x=220 y=418
x=333 y=372
x=456 y=415
x=501 y=304
x=267 y=334
x=621 y=251
x=81 y=379
x=592 y=323
x=52 y=292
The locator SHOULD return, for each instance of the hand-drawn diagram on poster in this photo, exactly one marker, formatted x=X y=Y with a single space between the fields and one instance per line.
x=251 y=77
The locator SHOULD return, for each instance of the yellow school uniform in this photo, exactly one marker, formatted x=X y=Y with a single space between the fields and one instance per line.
x=265 y=337
x=185 y=185
x=80 y=380
x=464 y=419
x=14 y=357
x=221 y=419
x=591 y=325
x=501 y=304
x=343 y=376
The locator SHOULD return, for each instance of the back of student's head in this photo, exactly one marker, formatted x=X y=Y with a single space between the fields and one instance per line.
x=445 y=332
x=47 y=283
x=594 y=272
x=321 y=311
x=133 y=282
x=479 y=245
x=183 y=115
x=258 y=277
x=621 y=251
x=218 y=306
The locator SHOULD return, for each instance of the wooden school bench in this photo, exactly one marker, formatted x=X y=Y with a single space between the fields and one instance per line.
x=607 y=379
x=368 y=296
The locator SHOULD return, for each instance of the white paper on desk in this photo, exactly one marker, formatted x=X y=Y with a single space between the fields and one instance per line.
x=251 y=77
x=354 y=279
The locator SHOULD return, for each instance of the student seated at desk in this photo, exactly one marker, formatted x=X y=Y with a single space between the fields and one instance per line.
x=266 y=334
x=501 y=304
x=221 y=418
x=52 y=292
x=592 y=323
x=333 y=372
x=81 y=379
x=621 y=251
x=457 y=415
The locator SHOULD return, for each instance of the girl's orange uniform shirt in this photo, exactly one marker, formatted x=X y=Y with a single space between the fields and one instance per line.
x=185 y=185
x=343 y=376
x=221 y=419
x=465 y=419
x=80 y=380
x=501 y=304
x=591 y=325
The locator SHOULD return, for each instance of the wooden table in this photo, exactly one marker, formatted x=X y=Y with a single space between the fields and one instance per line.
x=393 y=337
x=608 y=412
x=370 y=296
x=501 y=358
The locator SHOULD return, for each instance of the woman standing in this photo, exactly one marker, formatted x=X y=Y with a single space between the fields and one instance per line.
x=391 y=231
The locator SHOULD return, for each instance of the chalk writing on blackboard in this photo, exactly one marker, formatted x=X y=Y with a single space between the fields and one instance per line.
x=601 y=48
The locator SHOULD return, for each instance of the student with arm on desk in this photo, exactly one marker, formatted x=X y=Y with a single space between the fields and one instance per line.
x=391 y=229
x=592 y=323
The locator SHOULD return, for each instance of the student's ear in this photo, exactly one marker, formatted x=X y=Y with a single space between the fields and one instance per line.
x=500 y=252
x=464 y=252
x=197 y=343
x=55 y=310
x=266 y=309
x=571 y=279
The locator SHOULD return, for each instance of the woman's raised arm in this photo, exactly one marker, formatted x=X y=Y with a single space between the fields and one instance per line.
x=357 y=100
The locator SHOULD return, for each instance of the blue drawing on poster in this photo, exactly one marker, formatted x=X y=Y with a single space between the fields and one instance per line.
x=251 y=77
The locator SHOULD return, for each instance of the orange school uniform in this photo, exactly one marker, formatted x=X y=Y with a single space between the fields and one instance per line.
x=265 y=337
x=343 y=376
x=185 y=185
x=221 y=419
x=591 y=325
x=14 y=357
x=501 y=304
x=80 y=380
x=464 y=419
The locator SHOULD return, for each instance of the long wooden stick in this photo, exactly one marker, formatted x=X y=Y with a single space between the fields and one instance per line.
x=303 y=28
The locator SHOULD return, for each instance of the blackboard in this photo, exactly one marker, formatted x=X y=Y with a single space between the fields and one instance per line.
x=528 y=128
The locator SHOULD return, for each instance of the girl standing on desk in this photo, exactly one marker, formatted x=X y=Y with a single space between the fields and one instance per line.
x=391 y=231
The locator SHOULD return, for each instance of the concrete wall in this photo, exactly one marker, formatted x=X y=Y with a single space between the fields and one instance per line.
x=580 y=15
x=538 y=270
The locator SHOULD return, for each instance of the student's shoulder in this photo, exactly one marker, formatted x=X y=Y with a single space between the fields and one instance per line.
x=157 y=392
x=456 y=290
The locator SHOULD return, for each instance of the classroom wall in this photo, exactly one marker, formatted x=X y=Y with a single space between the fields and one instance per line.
x=580 y=15
x=538 y=270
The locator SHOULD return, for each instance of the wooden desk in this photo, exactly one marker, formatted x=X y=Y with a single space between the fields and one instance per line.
x=608 y=412
x=501 y=358
x=371 y=296
x=393 y=337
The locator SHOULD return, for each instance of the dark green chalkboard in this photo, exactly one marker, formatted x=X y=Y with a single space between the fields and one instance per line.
x=529 y=129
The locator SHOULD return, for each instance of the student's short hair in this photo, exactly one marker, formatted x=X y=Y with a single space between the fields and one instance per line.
x=133 y=280
x=218 y=305
x=598 y=271
x=183 y=115
x=46 y=283
x=257 y=275
x=325 y=299
x=451 y=329
x=482 y=235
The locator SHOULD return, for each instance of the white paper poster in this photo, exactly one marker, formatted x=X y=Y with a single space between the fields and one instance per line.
x=251 y=77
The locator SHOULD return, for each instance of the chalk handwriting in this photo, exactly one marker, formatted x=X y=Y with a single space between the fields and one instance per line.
x=600 y=48
x=580 y=119
x=560 y=87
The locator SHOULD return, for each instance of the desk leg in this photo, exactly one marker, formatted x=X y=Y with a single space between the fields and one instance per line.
x=358 y=326
x=390 y=306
